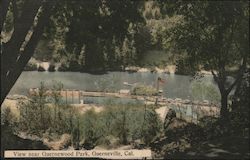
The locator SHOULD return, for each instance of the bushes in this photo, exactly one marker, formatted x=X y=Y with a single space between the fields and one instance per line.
x=144 y=90
x=63 y=67
x=91 y=129
x=185 y=67
x=34 y=115
x=40 y=69
x=30 y=67
x=118 y=125
x=115 y=125
x=38 y=117
x=240 y=113
x=51 y=68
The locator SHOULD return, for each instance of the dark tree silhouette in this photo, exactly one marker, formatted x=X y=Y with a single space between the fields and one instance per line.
x=29 y=21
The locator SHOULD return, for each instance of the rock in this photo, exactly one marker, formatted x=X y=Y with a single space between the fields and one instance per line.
x=132 y=69
x=158 y=70
x=44 y=65
x=171 y=69
x=143 y=70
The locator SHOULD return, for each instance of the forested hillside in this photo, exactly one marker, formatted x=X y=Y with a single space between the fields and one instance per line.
x=108 y=41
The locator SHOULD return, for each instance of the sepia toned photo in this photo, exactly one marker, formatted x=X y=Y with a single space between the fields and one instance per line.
x=125 y=79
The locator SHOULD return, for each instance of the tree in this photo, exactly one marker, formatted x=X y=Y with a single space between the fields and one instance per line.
x=29 y=21
x=101 y=25
x=214 y=35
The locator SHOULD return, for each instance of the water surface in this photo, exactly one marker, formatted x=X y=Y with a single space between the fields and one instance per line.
x=175 y=86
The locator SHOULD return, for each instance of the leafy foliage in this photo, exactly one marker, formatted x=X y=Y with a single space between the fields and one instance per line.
x=212 y=35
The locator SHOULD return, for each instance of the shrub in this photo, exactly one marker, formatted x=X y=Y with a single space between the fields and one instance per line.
x=144 y=90
x=30 y=67
x=37 y=117
x=127 y=123
x=63 y=67
x=51 y=68
x=40 y=69
x=74 y=66
x=91 y=129
x=213 y=127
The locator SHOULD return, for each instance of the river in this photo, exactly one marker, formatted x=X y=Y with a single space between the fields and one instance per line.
x=175 y=86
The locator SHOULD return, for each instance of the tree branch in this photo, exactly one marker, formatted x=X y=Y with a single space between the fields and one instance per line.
x=22 y=26
x=239 y=76
x=24 y=57
x=215 y=77
x=4 y=5
x=15 y=12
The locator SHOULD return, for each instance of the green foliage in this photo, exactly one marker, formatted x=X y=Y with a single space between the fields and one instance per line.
x=63 y=67
x=209 y=31
x=40 y=69
x=201 y=89
x=56 y=96
x=123 y=122
x=144 y=90
x=7 y=118
x=30 y=67
x=38 y=117
x=240 y=107
x=151 y=126
x=95 y=50
x=212 y=35
x=51 y=68
x=91 y=129
x=44 y=50
x=185 y=67
x=34 y=115
x=127 y=123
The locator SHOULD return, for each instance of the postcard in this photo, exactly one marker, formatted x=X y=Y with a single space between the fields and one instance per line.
x=124 y=79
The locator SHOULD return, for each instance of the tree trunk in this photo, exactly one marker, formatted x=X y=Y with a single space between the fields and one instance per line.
x=4 y=4
x=220 y=80
x=224 y=107
x=11 y=70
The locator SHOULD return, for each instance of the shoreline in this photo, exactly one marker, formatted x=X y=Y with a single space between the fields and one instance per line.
x=46 y=66
x=171 y=69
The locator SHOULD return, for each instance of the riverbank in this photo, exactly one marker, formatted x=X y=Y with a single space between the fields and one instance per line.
x=40 y=66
